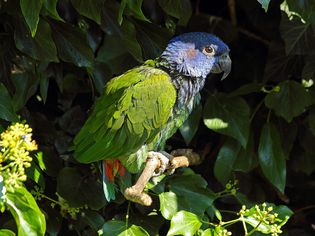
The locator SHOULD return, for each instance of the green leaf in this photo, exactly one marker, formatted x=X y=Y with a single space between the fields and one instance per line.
x=264 y=4
x=302 y=8
x=93 y=219
x=50 y=6
x=28 y=217
x=225 y=161
x=180 y=9
x=6 y=105
x=25 y=86
x=134 y=230
x=297 y=36
x=90 y=9
x=290 y=101
x=190 y=126
x=169 y=204
x=41 y=47
x=311 y=121
x=228 y=115
x=184 y=223
x=271 y=156
x=6 y=232
x=31 y=10
x=246 y=89
x=189 y=187
x=133 y=8
x=114 y=227
x=36 y=175
x=72 y=44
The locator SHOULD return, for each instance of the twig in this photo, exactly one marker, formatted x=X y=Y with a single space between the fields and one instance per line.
x=231 y=4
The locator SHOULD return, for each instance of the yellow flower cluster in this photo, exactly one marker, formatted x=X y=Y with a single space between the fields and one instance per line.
x=15 y=144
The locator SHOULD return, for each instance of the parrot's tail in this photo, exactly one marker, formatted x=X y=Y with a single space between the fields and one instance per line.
x=111 y=168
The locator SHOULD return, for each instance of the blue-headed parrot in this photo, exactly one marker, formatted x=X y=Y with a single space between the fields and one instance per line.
x=142 y=108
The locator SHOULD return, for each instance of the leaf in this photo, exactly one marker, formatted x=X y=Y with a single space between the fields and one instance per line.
x=264 y=4
x=298 y=36
x=31 y=10
x=180 y=9
x=41 y=47
x=6 y=105
x=90 y=9
x=246 y=89
x=152 y=38
x=133 y=8
x=189 y=187
x=134 y=230
x=184 y=223
x=72 y=44
x=228 y=115
x=311 y=121
x=6 y=232
x=271 y=156
x=290 y=101
x=28 y=217
x=168 y=204
x=50 y=6
x=93 y=219
x=302 y=8
x=225 y=161
x=114 y=227
x=25 y=86
x=36 y=175
x=190 y=126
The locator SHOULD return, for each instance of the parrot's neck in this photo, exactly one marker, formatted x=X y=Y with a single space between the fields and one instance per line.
x=187 y=87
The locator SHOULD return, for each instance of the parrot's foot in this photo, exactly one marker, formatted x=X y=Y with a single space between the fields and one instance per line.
x=156 y=164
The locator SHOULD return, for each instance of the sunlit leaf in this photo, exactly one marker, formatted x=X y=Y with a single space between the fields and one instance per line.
x=271 y=156
x=264 y=4
x=228 y=115
x=184 y=223
x=28 y=217
x=169 y=204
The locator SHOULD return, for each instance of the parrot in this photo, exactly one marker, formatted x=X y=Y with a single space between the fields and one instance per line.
x=142 y=108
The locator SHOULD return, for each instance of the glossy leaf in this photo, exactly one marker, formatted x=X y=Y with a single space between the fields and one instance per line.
x=134 y=230
x=264 y=4
x=169 y=204
x=225 y=161
x=133 y=8
x=180 y=9
x=41 y=47
x=114 y=227
x=50 y=6
x=6 y=232
x=31 y=10
x=271 y=156
x=72 y=44
x=228 y=115
x=184 y=223
x=6 y=105
x=29 y=218
x=90 y=9
x=290 y=101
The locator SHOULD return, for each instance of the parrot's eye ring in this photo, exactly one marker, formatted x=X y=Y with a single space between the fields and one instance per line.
x=208 y=50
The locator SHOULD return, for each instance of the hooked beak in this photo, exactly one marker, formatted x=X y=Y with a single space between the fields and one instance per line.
x=224 y=65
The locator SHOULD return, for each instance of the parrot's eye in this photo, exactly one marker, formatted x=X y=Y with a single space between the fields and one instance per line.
x=208 y=51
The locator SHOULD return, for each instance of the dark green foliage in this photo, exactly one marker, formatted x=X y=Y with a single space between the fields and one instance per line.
x=257 y=126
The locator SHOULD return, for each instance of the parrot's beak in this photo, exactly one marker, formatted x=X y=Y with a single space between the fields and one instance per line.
x=224 y=64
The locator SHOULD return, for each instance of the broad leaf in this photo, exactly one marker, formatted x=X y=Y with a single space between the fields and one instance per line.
x=6 y=105
x=72 y=44
x=114 y=227
x=93 y=219
x=225 y=161
x=50 y=7
x=133 y=8
x=180 y=9
x=271 y=156
x=90 y=9
x=134 y=230
x=228 y=115
x=6 y=232
x=264 y=4
x=28 y=217
x=302 y=8
x=184 y=223
x=169 y=204
x=41 y=47
x=290 y=101
x=190 y=126
x=30 y=10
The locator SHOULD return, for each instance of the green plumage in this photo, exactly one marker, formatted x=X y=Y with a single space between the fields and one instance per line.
x=130 y=114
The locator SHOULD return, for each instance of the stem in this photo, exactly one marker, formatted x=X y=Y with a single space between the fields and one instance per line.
x=253 y=230
x=244 y=225
x=127 y=215
x=231 y=222
x=50 y=199
x=268 y=117
x=227 y=211
x=208 y=223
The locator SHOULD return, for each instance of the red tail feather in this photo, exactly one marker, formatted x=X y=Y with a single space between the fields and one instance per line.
x=112 y=167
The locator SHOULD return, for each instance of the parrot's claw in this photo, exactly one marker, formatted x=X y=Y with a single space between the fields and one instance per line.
x=164 y=159
x=156 y=164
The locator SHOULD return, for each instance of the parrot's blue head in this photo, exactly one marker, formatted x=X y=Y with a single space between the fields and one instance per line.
x=197 y=54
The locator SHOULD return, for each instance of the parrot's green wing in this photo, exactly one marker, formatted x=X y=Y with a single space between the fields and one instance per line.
x=130 y=113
